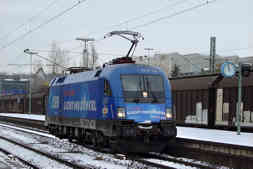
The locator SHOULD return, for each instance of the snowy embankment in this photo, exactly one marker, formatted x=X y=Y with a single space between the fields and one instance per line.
x=219 y=136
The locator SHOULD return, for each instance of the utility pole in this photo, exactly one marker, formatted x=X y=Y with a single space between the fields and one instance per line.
x=212 y=54
x=85 y=51
x=238 y=112
x=149 y=50
x=27 y=51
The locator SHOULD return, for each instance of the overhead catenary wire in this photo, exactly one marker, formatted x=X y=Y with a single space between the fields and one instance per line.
x=29 y=20
x=42 y=24
x=76 y=52
x=169 y=16
x=49 y=60
x=174 y=14
x=137 y=18
x=143 y=15
x=150 y=13
x=131 y=20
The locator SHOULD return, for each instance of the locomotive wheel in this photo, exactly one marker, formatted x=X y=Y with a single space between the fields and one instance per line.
x=101 y=140
x=94 y=140
x=113 y=144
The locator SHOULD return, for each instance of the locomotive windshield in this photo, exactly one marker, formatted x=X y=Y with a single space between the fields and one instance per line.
x=143 y=88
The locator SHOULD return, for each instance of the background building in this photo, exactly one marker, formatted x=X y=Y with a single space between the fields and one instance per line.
x=12 y=87
x=176 y=64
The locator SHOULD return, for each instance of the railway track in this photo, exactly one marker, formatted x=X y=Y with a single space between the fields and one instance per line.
x=61 y=163
x=132 y=157
x=230 y=156
x=185 y=162
x=23 y=161
x=146 y=160
x=35 y=124
x=99 y=157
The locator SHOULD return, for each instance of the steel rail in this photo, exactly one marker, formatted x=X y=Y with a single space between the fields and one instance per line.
x=25 y=162
x=50 y=156
x=131 y=157
x=39 y=124
x=153 y=164
x=183 y=162
x=232 y=155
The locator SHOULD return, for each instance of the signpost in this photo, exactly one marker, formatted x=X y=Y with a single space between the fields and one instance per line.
x=228 y=69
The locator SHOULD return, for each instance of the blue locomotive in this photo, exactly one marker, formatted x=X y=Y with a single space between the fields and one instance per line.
x=123 y=105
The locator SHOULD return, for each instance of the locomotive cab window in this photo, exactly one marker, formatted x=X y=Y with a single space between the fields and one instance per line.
x=61 y=79
x=107 y=88
x=143 y=88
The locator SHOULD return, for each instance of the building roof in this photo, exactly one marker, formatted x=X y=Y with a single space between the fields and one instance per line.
x=204 y=81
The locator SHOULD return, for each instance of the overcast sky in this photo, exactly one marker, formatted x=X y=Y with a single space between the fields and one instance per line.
x=229 y=20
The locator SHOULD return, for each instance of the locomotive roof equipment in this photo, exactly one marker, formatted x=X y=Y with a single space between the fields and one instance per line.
x=136 y=37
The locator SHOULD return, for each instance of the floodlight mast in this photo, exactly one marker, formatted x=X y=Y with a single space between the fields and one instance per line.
x=136 y=37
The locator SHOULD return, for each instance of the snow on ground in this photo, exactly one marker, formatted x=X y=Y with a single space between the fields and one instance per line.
x=171 y=164
x=27 y=130
x=25 y=116
x=36 y=159
x=63 y=149
x=220 y=136
x=9 y=162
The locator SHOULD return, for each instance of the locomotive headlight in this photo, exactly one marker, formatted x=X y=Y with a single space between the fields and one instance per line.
x=168 y=113
x=121 y=112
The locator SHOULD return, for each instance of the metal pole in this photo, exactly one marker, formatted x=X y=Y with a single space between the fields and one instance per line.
x=30 y=81
x=238 y=113
x=93 y=60
x=212 y=54
x=149 y=55
x=85 y=51
x=30 y=86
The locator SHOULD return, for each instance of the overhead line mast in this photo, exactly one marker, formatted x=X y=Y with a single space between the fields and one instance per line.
x=41 y=25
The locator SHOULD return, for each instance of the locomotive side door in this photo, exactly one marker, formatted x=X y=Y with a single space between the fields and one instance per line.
x=107 y=101
x=60 y=91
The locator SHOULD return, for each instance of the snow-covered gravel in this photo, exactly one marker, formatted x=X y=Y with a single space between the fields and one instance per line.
x=9 y=161
x=76 y=153
x=65 y=150
x=27 y=130
x=219 y=136
x=171 y=164
x=36 y=159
